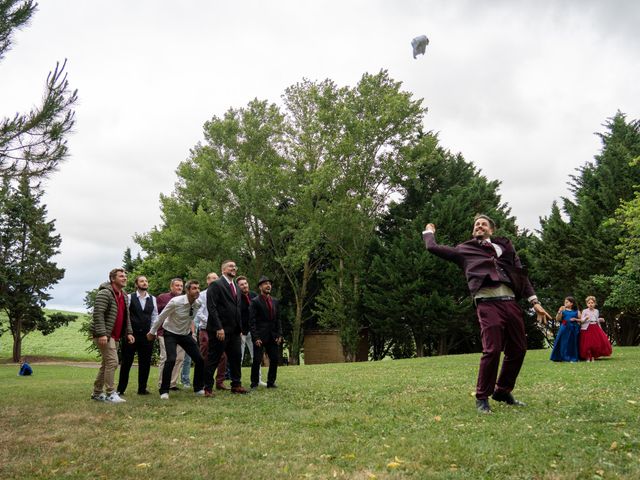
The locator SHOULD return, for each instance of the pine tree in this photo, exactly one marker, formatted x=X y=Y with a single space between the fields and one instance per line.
x=27 y=244
x=34 y=143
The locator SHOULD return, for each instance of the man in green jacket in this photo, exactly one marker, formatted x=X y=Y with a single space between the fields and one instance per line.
x=110 y=323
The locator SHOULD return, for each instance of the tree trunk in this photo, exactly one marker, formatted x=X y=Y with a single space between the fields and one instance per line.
x=297 y=334
x=16 y=331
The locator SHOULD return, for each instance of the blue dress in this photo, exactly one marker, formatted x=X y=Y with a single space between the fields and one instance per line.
x=565 y=348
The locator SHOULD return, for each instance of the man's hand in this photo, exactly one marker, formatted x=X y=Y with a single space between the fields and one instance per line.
x=102 y=341
x=258 y=343
x=220 y=334
x=430 y=227
x=279 y=340
x=131 y=338
x=151 y=337
x=541 y=314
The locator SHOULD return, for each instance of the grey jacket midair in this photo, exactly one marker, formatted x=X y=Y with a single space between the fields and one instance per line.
x=105 y=310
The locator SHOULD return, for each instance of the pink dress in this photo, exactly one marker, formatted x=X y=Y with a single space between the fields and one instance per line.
x=593 y=341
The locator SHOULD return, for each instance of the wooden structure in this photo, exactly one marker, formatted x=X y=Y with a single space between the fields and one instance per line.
x=323 y=346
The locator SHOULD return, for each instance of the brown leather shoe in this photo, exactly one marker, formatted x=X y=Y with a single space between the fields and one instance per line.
x=208 y=393
x=241 y=390
x=221 y=386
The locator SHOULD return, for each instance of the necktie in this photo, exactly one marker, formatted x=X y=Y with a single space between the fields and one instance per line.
x=270 y=306
x=233 y=290
x=247 y=299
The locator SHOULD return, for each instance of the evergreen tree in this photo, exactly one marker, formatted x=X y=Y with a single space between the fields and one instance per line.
x=577 y=254
x=27 y=244
x=407 y=288
x=34 y=143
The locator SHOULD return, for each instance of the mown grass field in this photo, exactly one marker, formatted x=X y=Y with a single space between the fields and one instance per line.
x=66 y=343
x=392 y=419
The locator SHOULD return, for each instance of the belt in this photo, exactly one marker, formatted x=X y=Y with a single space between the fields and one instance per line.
x=503 y=298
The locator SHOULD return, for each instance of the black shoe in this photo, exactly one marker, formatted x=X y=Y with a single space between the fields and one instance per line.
x=254 y=386
x=174 y=388
x=144 y=392
x=271 y=385
x=507 y=398
x=483 y=406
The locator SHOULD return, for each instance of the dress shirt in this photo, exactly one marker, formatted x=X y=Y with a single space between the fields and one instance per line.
x=143 y=303
x=203 y=314
x=175 y=317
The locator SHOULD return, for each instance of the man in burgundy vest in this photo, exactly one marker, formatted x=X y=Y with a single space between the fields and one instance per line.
x=496 y=281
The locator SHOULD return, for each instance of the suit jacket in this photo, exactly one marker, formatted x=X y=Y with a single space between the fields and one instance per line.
x=481 y=268
x=263 y=327
x=222 y=310
x=244 y=311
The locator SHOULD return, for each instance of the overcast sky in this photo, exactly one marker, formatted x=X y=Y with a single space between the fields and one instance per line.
x=517 y=87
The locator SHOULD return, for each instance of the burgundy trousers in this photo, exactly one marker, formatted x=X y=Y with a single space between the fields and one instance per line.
x=501 y=328
x=203 y=342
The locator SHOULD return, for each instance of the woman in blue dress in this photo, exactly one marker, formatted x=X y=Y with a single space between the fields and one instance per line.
x=565 y=347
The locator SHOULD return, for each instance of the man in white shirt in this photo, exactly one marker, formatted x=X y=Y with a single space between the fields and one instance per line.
x=176 y=320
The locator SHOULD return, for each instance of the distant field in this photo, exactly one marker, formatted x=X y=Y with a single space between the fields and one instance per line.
x=66 y=343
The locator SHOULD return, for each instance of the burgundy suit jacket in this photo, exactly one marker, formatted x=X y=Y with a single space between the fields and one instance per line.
x=481 y=268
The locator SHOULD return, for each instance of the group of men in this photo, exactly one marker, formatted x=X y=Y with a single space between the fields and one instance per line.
x=492 y=268
x=225 y=317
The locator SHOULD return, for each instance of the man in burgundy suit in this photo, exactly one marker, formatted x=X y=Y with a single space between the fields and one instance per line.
x=496 y=281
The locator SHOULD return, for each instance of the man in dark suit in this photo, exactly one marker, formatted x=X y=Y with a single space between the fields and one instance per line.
x=247 y=297
x=496 y=280
x=266 y=332
x=224 y=327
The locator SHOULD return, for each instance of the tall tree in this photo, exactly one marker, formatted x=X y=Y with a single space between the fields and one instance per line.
x=407 y=288
x=577 y=253
x=34 y=143
x=267 y=185
x=27 y=244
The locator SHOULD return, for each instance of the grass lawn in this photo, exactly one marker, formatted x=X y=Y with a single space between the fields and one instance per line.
x=392 y=419
x=66 y=343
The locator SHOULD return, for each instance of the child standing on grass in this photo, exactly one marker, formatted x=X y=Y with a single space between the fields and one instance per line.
x=565 y=347
x=593 y=341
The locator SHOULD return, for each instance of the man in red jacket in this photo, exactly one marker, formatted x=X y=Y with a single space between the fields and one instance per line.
x=496 y=280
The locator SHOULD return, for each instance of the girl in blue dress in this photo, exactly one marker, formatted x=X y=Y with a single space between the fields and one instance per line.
x=565 y=347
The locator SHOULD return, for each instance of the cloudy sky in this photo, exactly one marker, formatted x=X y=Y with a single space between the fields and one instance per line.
x=518 y=87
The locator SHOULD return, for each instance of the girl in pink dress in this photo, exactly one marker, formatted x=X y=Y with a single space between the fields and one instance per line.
x=593 y=341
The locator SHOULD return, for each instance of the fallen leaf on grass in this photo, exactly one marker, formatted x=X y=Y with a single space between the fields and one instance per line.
x=613 y=446
x=600 y=472
x=632 y=402
x=143 y=465
x=393 y=465
x=437 y=418
x=349 y=456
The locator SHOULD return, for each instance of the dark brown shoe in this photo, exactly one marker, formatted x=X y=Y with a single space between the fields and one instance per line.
x=208 y=393
x=221 y=386
x=240 y=390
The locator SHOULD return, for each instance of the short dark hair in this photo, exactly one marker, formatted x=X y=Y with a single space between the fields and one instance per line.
x=241 y=277
x=114 y=273
x=223 y=264
x=174 y=280
x=189 y=283
x=138 y=277
x=492 y=224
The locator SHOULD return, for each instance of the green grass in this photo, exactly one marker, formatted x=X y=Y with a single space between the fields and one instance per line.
x=65 y=343
x=391 y=419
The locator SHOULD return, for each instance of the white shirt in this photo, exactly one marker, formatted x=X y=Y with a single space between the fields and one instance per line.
x=143 y=303
x=177 y=316
x=202 y=314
